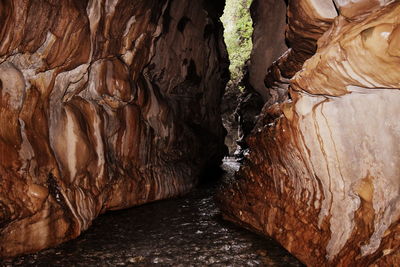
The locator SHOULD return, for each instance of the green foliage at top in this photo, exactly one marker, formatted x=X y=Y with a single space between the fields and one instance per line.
x=238 y=30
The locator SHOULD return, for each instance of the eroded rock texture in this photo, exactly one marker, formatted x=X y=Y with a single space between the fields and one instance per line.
x=104 y=104
x=269 y=24
x=272 y=63
x=322 y=176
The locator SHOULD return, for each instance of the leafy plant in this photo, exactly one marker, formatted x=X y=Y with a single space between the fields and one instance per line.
x=238 y=31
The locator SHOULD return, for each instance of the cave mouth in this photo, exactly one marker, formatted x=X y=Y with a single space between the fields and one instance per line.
x=238 y=30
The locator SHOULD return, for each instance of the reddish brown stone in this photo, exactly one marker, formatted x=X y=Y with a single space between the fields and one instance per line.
x=103 y=105
x=322 y=172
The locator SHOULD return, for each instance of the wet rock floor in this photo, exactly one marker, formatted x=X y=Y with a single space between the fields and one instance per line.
x=187 y=231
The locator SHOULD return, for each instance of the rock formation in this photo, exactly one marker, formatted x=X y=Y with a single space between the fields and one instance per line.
x=305 y=26
x=269 y=24
x=322 y=174
x=229 y=118
x=104 y=104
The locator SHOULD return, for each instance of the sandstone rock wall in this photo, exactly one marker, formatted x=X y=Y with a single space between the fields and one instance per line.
x=322 y=175
x=269 y=24
x=272 y=63
x=104 y=104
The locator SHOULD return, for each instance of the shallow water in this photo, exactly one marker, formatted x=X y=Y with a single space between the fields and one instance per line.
x=186 y=231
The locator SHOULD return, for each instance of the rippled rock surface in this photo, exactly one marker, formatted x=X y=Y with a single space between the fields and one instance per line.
x=103 y=105
x=279 y=51
x=322 y=174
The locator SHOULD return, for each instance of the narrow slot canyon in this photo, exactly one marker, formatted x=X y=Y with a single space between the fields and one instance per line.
x=138 y=133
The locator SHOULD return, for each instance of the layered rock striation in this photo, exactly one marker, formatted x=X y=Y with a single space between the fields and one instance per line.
x=322 y=173
x=103 y=105
x=272 y=63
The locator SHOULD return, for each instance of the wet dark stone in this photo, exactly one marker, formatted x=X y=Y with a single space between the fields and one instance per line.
x=187 y=231
x=182 y=23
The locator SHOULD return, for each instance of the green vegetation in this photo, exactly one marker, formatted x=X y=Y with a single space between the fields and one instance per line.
x=238 y=31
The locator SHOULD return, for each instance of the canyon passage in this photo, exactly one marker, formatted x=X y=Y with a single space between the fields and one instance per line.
x=110 y=104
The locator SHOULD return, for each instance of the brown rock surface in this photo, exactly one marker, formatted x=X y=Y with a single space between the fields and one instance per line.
x=307 y=20
x=322 y=175
x=269 y=24
x=103 y=105
x=269 y=69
